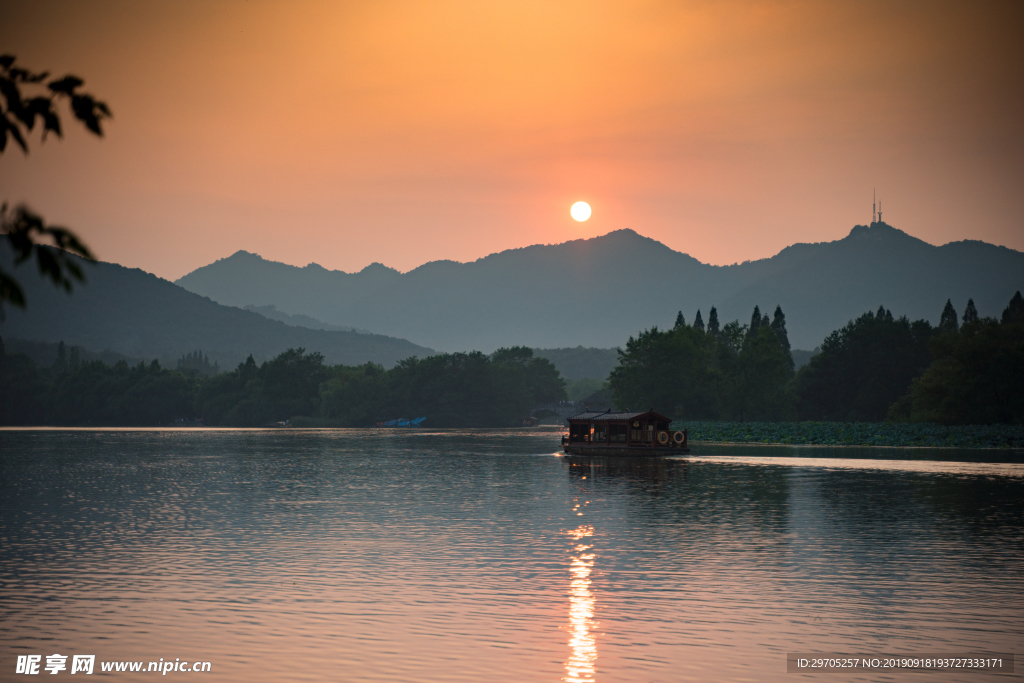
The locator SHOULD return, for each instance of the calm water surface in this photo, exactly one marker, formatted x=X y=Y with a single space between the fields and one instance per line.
x=484 y=556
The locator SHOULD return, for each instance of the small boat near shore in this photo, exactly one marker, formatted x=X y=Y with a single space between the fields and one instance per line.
x=623 y=434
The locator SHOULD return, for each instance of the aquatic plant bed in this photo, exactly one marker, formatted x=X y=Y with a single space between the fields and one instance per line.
x=855 y=434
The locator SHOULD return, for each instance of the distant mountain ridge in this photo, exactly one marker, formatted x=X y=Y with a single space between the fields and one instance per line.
x=140 y=315
x=597 y=292
x=299 y=320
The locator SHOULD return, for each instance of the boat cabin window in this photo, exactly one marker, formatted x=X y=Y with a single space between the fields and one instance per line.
x=578 y=432
x=617 y=433
x=600 y=433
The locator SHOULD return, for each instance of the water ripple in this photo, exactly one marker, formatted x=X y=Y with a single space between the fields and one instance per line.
x=447 y=555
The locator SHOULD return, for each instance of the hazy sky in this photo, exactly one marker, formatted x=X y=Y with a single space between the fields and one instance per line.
x=404 y=132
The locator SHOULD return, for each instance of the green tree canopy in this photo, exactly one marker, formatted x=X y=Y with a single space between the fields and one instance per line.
x=863 y=368
x=543 y=382
x=673 y=372
x=976 y=377
x=765 y=368
x=692 y=374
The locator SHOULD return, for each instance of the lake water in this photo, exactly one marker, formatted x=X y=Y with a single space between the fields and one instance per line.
x=485 y=556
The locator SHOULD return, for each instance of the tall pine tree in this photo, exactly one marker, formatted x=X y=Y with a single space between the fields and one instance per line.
x=713 y=328
x=1014 y=313
x=779 y=326
x=970 y=313
x=755 y=323
x=680 y=320
x=698 y=322
x=948 y=323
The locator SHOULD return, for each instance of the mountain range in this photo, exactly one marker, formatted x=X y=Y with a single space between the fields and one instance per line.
x=598 y=292
x=139 y=315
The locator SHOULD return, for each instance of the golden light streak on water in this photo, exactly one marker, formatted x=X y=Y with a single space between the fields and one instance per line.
x=915 y=466
x=582 y=663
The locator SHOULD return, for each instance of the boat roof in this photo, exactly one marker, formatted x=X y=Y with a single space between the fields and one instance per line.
x=604 y=415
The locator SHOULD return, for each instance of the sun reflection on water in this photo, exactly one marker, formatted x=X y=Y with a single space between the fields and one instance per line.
x=581 y=665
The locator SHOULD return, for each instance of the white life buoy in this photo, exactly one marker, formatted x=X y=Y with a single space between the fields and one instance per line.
x=679 y=437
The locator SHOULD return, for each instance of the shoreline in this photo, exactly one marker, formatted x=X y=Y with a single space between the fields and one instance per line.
x=778 y=444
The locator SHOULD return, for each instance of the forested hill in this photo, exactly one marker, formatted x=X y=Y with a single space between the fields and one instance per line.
x=140 y=315
x=598 y=292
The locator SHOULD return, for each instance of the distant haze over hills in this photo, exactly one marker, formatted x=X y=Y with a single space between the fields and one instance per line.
x=300 y=320
x=580 y=362
x=598 y=292
x=140 y=315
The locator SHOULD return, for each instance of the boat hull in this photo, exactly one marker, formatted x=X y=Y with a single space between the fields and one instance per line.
x=624 y=451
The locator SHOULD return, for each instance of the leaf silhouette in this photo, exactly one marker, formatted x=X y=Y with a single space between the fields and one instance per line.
x=51 y=123
x=84 y=107
x=66 y=85
x=15 y=133
x=11 y=93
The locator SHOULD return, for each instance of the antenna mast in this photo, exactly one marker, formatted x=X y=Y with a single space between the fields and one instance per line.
x=873 y=206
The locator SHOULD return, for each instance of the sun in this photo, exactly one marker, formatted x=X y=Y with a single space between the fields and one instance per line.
x=580 y=211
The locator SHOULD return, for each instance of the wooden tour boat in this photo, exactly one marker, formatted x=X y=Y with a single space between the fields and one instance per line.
x=623 y=434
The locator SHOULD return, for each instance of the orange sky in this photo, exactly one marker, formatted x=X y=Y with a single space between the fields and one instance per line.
x=404 y=132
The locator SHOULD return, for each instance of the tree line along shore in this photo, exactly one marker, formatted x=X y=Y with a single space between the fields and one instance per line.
x=968 y=370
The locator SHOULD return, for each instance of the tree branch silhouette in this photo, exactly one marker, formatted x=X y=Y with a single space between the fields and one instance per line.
x=27 y=98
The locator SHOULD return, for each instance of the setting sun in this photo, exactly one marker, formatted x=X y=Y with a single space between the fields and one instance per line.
x=580 y=211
